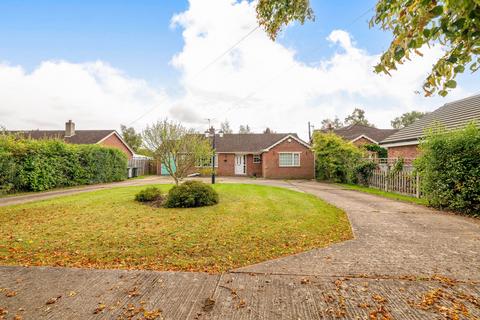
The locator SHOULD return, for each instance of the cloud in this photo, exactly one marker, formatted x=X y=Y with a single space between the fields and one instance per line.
x=262 y=83
x=94 y=95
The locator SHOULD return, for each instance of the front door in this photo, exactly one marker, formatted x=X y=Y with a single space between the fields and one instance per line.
x=240 y=165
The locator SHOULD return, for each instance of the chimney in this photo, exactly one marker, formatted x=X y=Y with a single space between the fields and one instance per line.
x=69 y=128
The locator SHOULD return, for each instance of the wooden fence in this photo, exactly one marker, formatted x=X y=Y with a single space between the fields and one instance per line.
x=143 y=166
x=403 y=182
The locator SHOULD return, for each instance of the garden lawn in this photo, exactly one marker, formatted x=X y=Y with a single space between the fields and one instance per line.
x=108 y=229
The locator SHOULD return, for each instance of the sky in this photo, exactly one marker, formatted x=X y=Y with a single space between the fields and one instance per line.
x=106 y=63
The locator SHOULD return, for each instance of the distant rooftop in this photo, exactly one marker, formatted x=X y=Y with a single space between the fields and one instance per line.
x=354 y=131
x=80 y=136
x=452 y=115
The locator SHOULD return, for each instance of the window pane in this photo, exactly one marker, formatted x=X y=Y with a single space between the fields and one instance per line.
x=285 y=159
x=296 y=159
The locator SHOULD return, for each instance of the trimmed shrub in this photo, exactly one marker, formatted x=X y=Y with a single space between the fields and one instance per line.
x=335 y=158
x=149 y=194
x=364 y=171
x=191 y=194
x=36 y=165
x=449 y=167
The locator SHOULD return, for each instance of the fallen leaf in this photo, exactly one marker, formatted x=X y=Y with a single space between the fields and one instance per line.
x=10 y=294
x=53 y=300
x=99 y=308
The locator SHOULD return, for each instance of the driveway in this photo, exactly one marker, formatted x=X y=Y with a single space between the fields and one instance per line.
x=405 y=262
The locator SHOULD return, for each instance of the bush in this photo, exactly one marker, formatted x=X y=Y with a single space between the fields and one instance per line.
x=36 y=165
x=449 y=167
x=149 y=194
x=335 y=158
x=364 y=171
x=191 y=194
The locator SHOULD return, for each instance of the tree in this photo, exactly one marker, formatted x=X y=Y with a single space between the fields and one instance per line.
x=177 y=148
x=273 y=15
x=132 y=138
x=244 y=129
x=454 y=24
x=225 y=127
x=332 y=124
x=406 y=119
x=268 y=130
x=357 y=117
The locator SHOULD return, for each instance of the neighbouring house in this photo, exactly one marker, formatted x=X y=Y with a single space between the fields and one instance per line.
x=361 y=135
x=453 y=115
x=267 y=155
x=107 y=138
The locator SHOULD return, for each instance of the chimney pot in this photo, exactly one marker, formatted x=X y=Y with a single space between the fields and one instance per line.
x=69 y=128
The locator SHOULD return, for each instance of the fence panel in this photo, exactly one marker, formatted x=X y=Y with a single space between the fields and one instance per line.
x=144 y=166
x=403 y=182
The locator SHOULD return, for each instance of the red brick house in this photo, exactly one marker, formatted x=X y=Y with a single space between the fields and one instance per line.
x=453 y=115
x=267 y=155
x=107 y=138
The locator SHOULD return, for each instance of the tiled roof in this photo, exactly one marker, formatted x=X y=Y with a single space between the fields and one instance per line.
x=80 y=137
x=248 y=142
x=354 y=131
x=451 y=115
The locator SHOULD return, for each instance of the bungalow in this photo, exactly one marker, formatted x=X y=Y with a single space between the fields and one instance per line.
x=107 y=138
x=453 y=115
x=267 y=155
x=361 y=135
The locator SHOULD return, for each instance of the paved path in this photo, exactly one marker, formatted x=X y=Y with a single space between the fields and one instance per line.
x=395 y=267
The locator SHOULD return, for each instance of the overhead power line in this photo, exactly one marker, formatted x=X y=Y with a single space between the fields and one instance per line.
x=208 y=65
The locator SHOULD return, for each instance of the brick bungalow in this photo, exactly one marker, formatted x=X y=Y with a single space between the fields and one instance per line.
x=453 y=115
x=267 y=155
x=107 y=138
x=361 y=135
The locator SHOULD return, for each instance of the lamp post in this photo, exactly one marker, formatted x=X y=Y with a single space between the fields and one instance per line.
x=211 y=133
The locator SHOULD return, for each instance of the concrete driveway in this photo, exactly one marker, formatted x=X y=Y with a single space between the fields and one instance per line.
x=406 y=262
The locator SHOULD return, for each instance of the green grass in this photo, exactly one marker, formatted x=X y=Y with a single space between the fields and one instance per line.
x=391 y=195
x=108 y=229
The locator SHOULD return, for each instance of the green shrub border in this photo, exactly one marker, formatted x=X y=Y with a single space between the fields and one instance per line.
x=38 y=165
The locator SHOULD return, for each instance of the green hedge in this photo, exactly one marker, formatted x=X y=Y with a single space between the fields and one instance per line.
x=450 y=169
x=37 y=165
x=335 y=158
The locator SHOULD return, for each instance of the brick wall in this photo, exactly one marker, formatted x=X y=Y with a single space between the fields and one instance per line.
x=226 y=164
x=114 y=142
x=361 y=142
x=403 y=151
x=271 y=168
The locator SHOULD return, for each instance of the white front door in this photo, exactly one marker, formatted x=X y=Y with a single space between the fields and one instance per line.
x=240 y=167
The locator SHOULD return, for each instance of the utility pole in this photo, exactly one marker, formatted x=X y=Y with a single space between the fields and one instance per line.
x=310 y=126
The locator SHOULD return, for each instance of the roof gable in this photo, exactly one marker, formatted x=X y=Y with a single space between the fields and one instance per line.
x=452 y=115
x=356 y=131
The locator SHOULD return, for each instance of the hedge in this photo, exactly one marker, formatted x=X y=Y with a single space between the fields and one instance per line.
x=335 y=158
x=449 y=166
x=37 y=165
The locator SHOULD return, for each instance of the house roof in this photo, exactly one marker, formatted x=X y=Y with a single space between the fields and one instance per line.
x=356 y=131
x=80 y=137
x=250 y=142
x=451 y=115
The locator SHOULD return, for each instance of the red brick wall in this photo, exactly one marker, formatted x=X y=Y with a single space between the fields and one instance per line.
x=271 y=168
x=114 y=142
x=226 y=164
x=253 y=169
x=403 y=152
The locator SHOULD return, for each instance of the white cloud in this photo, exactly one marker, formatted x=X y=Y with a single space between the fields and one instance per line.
x=283 y=93
x=260 y=82
x=94 y=95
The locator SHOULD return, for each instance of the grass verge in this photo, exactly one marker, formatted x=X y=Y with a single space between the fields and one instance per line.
x=390 y=195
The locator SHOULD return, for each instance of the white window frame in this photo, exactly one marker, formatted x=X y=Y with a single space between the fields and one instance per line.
x=292 y=163
x=259 y=157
